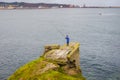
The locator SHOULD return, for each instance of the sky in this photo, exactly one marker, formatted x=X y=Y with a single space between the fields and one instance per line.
x=76 y=2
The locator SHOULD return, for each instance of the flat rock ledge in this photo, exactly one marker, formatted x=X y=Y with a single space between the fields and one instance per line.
x=56 y=63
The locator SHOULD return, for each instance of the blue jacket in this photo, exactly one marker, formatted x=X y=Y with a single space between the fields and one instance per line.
x=67 y=39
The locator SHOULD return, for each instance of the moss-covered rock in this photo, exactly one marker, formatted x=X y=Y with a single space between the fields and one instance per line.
x=40 y=69
x=45 y=68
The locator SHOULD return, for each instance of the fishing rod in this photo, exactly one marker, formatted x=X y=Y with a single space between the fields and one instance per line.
x=61 y=33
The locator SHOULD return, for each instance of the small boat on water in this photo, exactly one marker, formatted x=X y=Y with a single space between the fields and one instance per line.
x=100 y=13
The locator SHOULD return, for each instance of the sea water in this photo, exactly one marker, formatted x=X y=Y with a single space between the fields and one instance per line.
x=23 y=34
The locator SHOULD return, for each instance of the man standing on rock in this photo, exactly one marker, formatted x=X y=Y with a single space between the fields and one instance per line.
x=67 y=40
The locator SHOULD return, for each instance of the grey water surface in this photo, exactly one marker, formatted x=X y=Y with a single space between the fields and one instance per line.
x=23 y=34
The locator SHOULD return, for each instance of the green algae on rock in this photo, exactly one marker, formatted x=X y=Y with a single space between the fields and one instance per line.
x=56 y=63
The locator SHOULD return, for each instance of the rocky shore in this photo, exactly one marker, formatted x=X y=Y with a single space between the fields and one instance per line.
x=56 y=63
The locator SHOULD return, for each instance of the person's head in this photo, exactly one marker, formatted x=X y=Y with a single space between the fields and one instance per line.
x=66 y=35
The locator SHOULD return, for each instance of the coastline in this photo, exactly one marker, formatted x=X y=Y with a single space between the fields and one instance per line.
x=57 y=8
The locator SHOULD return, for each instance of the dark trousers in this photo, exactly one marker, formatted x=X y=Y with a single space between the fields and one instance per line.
x=67 y=43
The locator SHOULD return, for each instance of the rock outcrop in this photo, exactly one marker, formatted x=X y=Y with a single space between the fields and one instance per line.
x=56 y=63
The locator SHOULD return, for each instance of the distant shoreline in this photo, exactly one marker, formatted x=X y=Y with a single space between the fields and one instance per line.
x=24 y=5
x=58 y=8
